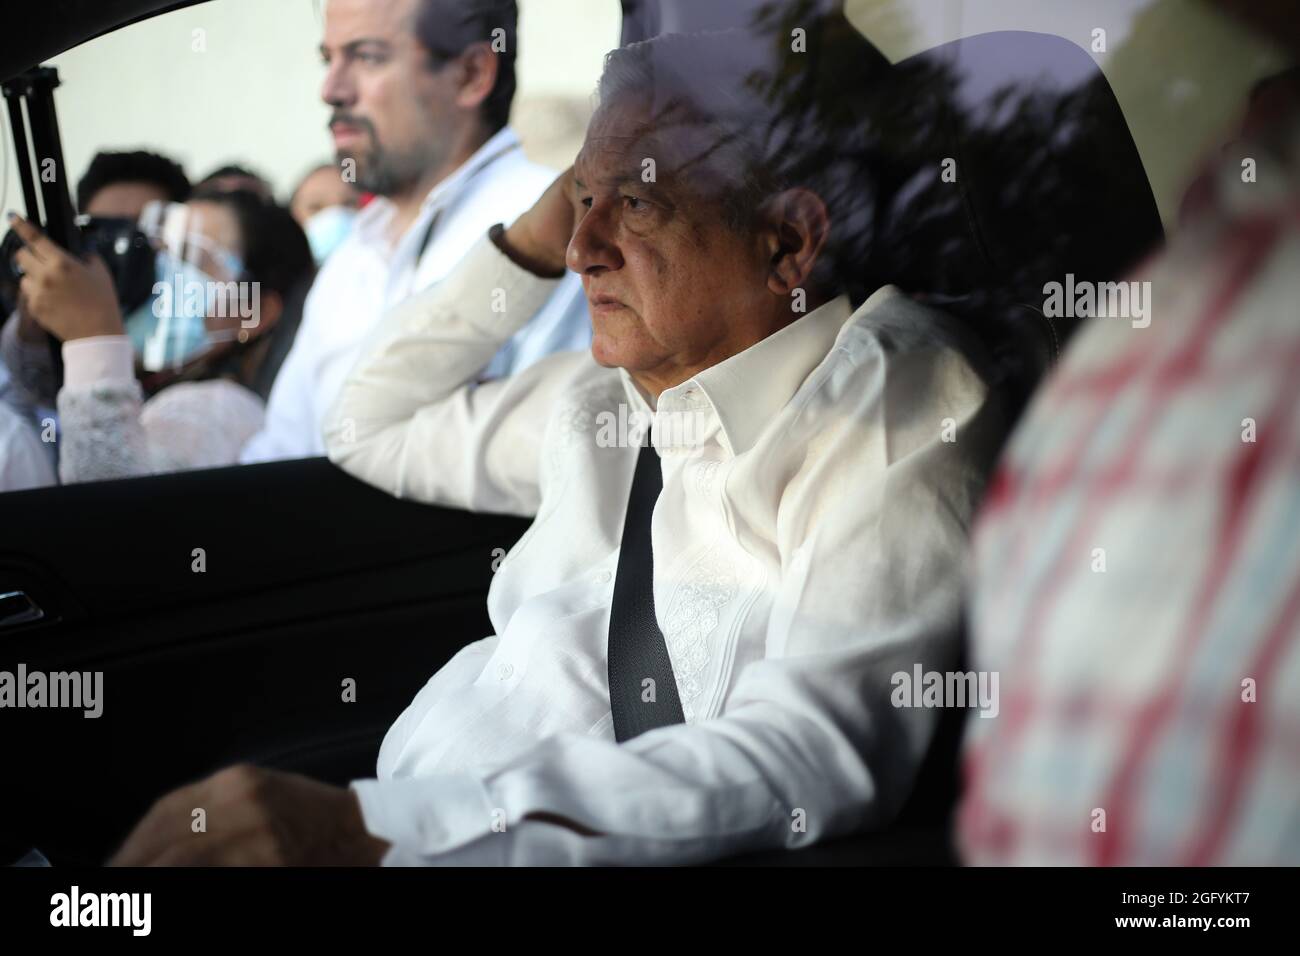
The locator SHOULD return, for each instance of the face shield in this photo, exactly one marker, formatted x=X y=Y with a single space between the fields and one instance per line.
x=198 y=300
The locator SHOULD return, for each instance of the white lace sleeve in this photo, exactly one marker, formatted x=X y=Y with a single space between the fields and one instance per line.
x=101 y=433
x=107 y=433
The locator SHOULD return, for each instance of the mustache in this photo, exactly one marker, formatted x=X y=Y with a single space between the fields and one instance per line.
x=351 y=120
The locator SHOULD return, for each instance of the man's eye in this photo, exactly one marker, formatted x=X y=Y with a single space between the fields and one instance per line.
x=586 y=201
x=636 y=203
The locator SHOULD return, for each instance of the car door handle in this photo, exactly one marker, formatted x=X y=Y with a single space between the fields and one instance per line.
x=17 y=607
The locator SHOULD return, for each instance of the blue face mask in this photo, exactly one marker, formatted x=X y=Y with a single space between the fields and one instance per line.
x=327 y=229
x=169 y=328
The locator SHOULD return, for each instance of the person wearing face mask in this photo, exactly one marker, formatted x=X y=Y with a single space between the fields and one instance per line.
x=115 y=185
x=167 y=386
x=326 y=208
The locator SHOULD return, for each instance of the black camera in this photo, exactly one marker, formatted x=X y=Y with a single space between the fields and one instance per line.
x=118 y=241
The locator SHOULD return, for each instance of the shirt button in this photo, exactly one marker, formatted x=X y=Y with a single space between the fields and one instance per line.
x=504 y=671
x=604 y=577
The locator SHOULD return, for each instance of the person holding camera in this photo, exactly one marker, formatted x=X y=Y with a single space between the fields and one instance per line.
x=166 y=386
x=116 y=186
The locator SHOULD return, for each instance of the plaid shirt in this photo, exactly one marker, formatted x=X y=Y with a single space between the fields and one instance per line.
x=1136 y=575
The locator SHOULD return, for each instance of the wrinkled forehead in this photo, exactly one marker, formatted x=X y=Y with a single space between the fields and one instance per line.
x=651 y=139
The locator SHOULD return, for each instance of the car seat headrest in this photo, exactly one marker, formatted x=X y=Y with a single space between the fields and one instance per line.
x=1023 y=171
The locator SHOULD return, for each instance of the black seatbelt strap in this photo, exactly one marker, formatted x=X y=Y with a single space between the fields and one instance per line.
x=637 y=649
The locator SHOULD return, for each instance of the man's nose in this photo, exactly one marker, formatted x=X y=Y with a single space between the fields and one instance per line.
x=338 y=89
x=593 y=248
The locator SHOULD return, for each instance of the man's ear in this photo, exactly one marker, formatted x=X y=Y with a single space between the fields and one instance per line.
x=797 y=225
x=477 y=75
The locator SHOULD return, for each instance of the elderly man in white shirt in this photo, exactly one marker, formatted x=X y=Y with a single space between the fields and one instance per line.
x=698 y=641
x=420 y=97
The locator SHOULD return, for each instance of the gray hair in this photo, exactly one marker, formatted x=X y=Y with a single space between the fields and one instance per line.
x=772 y=118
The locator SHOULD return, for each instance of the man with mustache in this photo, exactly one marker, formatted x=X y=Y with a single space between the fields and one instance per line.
x=421 y=93
x=697 y=639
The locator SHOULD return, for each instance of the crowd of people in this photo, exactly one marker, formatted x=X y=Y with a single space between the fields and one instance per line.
x=697 y=645
x=425 y=160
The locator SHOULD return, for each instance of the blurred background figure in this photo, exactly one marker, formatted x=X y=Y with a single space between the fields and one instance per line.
x=1137 y=563
x=326 y=207
x=170 y=385
x=23 y=462
x=231 y=177
x=122 y=184
x=420 y=96
x=116 y=185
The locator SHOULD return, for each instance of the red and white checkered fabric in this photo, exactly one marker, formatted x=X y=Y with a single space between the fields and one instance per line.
x=1136 y=578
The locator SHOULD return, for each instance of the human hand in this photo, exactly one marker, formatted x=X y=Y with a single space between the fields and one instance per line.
x=254 y=817
x=69 y=297
x=539 y=239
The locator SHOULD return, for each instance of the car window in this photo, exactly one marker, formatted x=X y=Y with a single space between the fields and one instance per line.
x=239 y=81
x=231 y=91
x=1181 y=71
x=224 y=89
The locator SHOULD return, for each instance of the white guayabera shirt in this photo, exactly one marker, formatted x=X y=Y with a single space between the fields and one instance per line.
x=809 y=543
x=368 y=274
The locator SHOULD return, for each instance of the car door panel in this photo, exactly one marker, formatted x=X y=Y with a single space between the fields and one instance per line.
x=308 y=579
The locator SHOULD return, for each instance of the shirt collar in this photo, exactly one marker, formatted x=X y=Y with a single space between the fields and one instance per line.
x=749 y=388
x=503 y=141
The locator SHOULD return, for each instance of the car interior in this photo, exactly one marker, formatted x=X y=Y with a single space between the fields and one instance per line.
x=311 y=574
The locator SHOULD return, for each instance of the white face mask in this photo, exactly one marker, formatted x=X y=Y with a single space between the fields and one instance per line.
x=327 y=228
